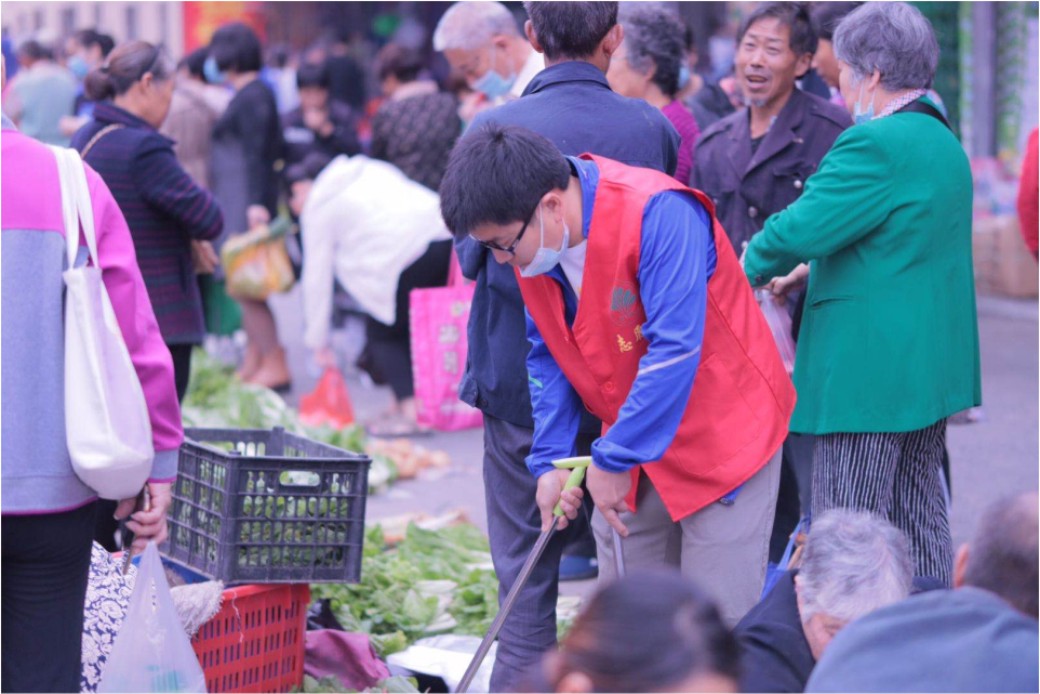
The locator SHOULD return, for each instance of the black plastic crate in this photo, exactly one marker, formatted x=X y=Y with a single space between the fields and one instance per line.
x=267 y=506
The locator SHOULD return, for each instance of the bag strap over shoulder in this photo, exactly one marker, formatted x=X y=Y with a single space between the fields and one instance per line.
x=77 y=210
x=97 y=136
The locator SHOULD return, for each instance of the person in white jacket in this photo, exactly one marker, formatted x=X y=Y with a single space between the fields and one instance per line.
x=380 y=234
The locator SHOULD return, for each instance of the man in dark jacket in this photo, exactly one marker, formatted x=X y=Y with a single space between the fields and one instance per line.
x=571 y=104
x=755 y=162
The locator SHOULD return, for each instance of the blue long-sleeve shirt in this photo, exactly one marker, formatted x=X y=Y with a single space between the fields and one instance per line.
x=677 y=258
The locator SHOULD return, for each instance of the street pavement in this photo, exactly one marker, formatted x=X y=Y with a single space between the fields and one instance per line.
x=990 y=458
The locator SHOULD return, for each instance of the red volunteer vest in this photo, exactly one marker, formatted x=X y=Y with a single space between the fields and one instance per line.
x=742 y=398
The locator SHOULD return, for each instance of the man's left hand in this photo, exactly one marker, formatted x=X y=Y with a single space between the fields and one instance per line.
x=608 y=490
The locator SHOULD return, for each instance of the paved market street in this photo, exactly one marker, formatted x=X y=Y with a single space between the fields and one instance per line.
x=990 y=458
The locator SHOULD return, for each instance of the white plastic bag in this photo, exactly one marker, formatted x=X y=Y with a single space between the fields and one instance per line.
x=779 y=323
x=107 y=426
x=152 y=653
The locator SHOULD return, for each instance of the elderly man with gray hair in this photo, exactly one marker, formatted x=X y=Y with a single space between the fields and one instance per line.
x=481 y=40
x=853 y=564
x=980 y=637
x=889 y=344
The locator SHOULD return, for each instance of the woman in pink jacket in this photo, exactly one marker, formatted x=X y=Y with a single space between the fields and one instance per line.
x=48 y=513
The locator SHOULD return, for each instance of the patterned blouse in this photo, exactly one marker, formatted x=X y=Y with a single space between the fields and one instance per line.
x=416 y=134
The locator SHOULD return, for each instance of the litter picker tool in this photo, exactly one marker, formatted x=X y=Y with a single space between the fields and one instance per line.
x=577 y=466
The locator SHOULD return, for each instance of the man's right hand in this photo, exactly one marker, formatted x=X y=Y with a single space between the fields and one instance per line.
x=550 y=492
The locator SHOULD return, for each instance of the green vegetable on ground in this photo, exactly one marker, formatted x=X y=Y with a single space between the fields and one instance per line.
x=433 y=582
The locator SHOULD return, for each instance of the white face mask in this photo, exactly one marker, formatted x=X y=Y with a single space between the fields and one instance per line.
x=545 y=259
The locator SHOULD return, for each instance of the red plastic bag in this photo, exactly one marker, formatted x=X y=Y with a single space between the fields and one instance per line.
x=438 y=318
x=329 y=402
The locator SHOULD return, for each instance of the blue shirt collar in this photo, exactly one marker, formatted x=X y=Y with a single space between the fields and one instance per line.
x=588 y=176
x=7 y=123
x=570 y=71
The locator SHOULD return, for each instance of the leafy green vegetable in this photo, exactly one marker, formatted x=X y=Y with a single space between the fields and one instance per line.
x=331 y=683
x=432 y=582
x=216 y=399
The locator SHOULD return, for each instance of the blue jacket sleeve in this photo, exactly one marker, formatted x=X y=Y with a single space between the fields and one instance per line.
x=557 y=407
x=677 y=257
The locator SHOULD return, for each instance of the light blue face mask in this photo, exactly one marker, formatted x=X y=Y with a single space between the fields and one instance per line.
x=859 y=116
x=78 y=67
x=546 y=259
x=212 y=73
x=493 y=84
x=684 y=77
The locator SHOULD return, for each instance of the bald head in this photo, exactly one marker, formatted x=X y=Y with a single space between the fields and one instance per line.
x=1003 y=556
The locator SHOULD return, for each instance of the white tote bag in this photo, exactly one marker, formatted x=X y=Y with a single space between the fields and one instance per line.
x=107 y=427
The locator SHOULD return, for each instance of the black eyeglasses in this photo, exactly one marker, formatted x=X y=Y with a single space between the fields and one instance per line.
x=511 y=249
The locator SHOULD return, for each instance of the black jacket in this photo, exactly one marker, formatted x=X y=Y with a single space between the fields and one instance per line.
x=572 y=106
x=775 y=657
x=748 y=188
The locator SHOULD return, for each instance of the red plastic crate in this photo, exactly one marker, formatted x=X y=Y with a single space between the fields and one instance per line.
x=256 y=642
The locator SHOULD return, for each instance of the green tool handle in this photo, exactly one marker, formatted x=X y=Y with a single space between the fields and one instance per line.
x=577 y=466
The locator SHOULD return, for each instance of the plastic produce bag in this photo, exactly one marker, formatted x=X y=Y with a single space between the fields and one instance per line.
x=779 y=323
x=256 y=263
x=329 y=402
x=152 y=653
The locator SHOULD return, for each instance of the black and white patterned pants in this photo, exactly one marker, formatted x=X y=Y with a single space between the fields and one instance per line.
x=897 y=476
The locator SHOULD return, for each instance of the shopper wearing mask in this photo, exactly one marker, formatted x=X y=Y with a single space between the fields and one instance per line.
x=889 y=343
x=85 y=50
x=482 y=42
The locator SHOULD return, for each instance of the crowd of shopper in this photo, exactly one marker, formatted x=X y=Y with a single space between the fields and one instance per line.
x=624 y=221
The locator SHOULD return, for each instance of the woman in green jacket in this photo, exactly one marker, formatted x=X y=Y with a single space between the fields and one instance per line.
x=888 y=347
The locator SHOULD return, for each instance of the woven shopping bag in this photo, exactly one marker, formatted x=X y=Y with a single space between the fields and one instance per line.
x=438 y=319
x=107 y=425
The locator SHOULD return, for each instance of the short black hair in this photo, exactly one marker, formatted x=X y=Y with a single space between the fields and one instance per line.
x=571 y=29
x=34 y=50
x=307 y=169
x=403 y=63
x=236 y=47
x=673 y=629
x=312 y=75
x=92 y=37
x=496 y=175
x=1003 y=555
x=795 y=15
x=826 y=16
x=195 y=63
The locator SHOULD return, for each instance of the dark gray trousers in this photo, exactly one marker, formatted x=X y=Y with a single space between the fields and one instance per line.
x=514 y=525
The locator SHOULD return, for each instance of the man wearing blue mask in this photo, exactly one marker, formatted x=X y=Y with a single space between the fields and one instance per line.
x=637 y=311
x=84 y=51
x=570 y=103
x=481 y=41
